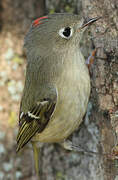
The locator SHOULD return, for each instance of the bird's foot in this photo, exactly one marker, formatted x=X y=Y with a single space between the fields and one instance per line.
x=68 y=145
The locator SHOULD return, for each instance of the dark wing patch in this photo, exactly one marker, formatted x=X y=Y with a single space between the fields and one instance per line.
x=34 y=121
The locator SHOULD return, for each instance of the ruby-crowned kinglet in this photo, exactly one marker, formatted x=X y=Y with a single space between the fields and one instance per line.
x=57 y=84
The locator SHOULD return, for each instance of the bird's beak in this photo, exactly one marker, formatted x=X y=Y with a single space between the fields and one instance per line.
x=89 y=22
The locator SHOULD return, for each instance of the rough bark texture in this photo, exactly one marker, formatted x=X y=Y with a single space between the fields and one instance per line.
x=99 y=131
x=105 y=76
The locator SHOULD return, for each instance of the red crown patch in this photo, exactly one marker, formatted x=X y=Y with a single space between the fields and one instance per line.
x=39 y=21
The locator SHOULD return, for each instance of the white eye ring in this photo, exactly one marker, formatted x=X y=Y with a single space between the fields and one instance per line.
x=66 y=32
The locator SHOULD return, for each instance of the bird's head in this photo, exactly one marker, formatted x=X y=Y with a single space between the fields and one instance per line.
x=55 y=33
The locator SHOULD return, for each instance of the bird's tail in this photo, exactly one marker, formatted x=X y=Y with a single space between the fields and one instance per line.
x=36 y=151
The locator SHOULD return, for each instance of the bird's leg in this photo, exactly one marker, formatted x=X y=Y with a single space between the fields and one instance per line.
x=68 y=145
x=36 y=151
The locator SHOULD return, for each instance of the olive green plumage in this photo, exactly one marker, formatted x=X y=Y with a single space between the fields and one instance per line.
x=57 y=85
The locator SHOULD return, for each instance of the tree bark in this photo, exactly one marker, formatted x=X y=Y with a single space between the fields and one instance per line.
x=105 y=77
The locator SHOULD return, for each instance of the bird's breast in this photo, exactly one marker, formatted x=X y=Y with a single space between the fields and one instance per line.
x=73 y=89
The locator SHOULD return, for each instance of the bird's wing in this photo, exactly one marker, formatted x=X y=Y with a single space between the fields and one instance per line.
x=35 y=120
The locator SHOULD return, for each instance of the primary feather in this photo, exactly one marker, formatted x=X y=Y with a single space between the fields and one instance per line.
x=34 y=121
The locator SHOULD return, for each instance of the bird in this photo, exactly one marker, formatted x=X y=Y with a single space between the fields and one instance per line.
x=57 y=84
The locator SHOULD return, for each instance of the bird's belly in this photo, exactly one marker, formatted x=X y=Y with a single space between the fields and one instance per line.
x=73 y=95
x=62 y=124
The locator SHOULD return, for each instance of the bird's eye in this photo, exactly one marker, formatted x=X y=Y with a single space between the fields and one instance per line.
x=66 y=32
